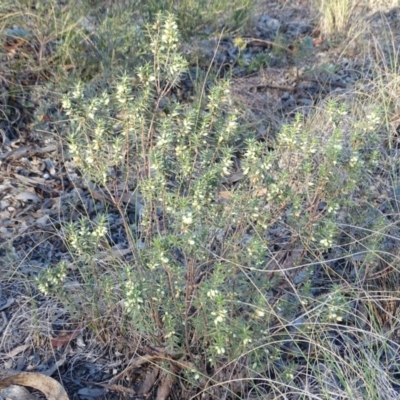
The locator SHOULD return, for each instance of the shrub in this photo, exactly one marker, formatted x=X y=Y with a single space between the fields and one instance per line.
x=204 y=283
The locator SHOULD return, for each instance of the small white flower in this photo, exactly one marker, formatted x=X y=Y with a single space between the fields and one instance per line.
x=99 y=232
x=225 y=171
x=66 y=103
x=187 y=219
x=246 y=341
x=353 y=161
x=259 y=313
x=220 y=316
x=338 y=146
x=212 y=293
x=326 y=242
x=169 y=334
x=78 y=92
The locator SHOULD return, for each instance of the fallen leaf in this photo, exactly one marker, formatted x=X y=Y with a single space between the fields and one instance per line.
x=26 y=196
x=94 y=392
x=55 y=367
x=64 y=339
x=48 y=386
x=133 y=198
x=224 y=195
x=68 y=67
x=167 y=381
x=235 y=177
x=260 y=192
x=42 y=221
x=108 y=255
x=10 y=301
x=17 y=153
x=121 y=389
x=318 y=41
x=79 y=342
x=33 y=181
x=16 y=351
x=148 y=383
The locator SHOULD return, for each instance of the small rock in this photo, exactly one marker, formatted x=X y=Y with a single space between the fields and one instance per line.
x=273 y=24
x=268 y=25
x=88 y=393
x=163 y=103
x=261 y=130
x=305 y=102
x=89 y=23
x=296 y=29
x=287 y=104
x=345 y=62
x=301 y=277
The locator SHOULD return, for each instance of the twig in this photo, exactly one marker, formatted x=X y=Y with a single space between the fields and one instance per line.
x=5 y=323
x=252 y=40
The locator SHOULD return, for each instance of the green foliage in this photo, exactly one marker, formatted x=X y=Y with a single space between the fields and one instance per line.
x=200 y=17
x=201 y=281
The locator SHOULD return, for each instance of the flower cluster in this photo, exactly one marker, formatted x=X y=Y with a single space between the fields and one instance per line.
x=51 y=279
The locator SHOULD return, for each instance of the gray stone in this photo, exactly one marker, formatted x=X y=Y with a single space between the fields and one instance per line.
x=267 y=24
x=305 y=102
